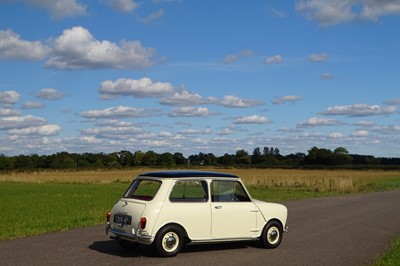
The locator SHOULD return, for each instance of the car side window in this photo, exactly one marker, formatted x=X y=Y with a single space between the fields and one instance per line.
x=189 y=191
x=228 y=191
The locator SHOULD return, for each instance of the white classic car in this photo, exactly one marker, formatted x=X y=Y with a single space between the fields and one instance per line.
x=172 y=208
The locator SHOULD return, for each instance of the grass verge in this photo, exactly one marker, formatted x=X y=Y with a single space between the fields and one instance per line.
x=391 y=257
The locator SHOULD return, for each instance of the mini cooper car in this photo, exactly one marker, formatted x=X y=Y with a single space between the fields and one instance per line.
x=169 y=209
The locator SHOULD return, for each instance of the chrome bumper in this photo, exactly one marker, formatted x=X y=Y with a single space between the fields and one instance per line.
x=143 y=239
x=286 y=229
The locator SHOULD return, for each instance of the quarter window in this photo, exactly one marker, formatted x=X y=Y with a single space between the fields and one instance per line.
x=228 y=191
x=189 y=191
x=143 y=189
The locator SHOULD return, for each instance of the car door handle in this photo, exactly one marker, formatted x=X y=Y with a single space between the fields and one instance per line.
x=218 y=207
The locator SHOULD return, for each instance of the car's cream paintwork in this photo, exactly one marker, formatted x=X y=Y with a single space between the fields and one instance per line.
x=202 y=221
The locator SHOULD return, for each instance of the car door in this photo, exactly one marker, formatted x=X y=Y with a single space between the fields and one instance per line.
x=233 y=214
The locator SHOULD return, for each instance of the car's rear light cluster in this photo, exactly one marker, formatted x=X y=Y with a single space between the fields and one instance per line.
x=108 y=215
x=143 y=222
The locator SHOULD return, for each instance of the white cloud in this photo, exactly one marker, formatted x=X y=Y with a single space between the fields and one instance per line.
x=12 y=47
x=394 y=101
x=9 y=97
x=44 y=130
x=333 y=12
x=191 y=131
x=60 y=9
x=120 y=112
x=336 y=135
x=360 y=133
x=359 y=110
x=141 y=88
x=153 y=16
x=14 y=122
x=190 y=112
x=229 y=59
x=318 y=57
x=316 y=121
x=364 y=123
x=253 y=119
x=76 y=48
x=327 y=76
x=233 y=101
x=32 y=105
x=276 y=59
x=123 y=5
x=9 y=112
x=49 y=94
x=287 y=98
x=186 y=98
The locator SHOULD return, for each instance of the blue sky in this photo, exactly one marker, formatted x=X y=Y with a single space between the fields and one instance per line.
x=199 y=76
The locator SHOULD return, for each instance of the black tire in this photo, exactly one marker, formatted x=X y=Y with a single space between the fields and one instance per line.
x=129 y=245
x=271 y=235
x=169 y=241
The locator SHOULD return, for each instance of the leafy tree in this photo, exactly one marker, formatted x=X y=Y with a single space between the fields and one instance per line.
x=166 y=159
x=150 y=158
x=179 y=158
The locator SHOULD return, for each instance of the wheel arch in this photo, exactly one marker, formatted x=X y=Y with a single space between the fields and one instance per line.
x=185 y=234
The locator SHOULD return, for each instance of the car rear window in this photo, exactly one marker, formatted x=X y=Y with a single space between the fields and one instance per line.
x=143 y=189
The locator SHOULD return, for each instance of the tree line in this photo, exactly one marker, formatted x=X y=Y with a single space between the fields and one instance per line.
x=260 y=157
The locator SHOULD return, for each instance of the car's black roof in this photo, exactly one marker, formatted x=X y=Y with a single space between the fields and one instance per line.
x=184 y=173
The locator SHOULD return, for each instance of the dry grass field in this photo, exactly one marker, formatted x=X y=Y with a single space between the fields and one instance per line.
x=315 y=180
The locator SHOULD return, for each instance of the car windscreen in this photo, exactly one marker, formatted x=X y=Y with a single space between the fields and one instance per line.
x=142 y=189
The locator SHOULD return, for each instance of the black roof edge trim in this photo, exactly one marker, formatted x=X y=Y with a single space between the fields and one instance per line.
x=180 y=174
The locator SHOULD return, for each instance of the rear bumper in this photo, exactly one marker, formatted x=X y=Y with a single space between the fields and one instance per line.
x=121 y=234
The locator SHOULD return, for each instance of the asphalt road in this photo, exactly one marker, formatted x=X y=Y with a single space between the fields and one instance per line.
x=347 y=230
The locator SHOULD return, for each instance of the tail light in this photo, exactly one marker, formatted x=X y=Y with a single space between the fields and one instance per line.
x=108 y=215
x=143 y=222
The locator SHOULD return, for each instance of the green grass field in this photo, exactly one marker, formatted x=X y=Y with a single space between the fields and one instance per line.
x=35 y=203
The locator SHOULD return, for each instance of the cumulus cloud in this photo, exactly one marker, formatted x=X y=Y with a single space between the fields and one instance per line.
x=76 y=48
x=9 y=97
x=336 y=135
x=233 y=101
x=18 y=122
x=360 y=110
x=186 y=98
x=229 y=59
x=32 y=105
x=191 y=131
x=360 y=133
x=275 y=59
x=252 y=119
x=9 y=112
x=61 y=8
x=120 y=112
x=141 y=88
x=49 y=94
x=316 y=121
x=333 y=12
x=125 y=6
x=44 y=130
x=318 y=57
x=327 y=76
x=112 y=132
x=287 y=99
x=153 y=16
x=12 y=47
x=190 y=112
x=394 y=101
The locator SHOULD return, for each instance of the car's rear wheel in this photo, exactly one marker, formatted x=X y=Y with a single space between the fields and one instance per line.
x=169 y=241
x=271 y=235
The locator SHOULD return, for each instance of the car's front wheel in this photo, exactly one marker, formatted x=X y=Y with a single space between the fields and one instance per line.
x=169 y=241
x=271 y=235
